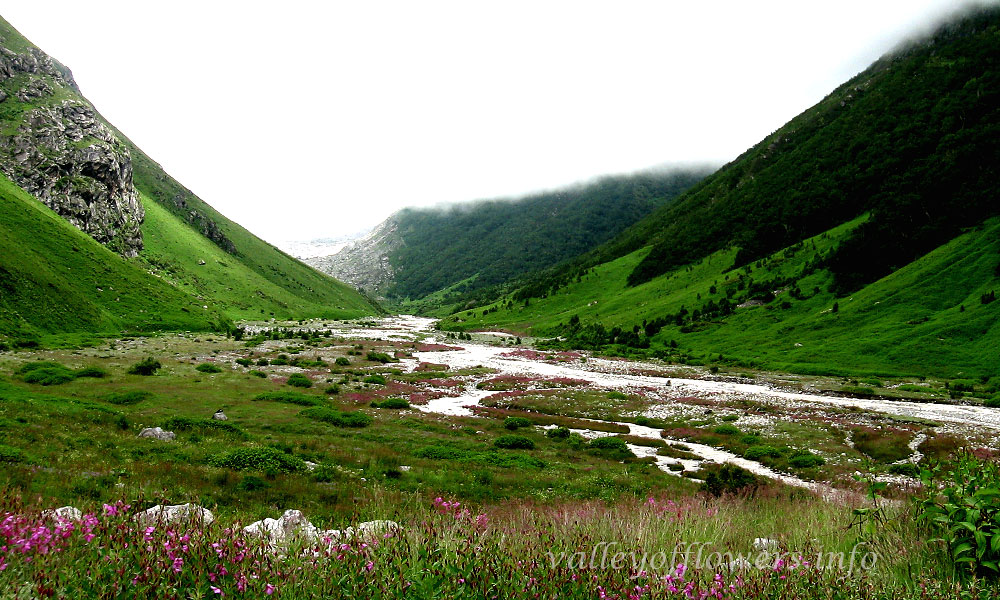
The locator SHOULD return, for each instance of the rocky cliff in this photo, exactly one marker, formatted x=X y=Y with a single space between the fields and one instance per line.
x=365 y=262
x=56 y=147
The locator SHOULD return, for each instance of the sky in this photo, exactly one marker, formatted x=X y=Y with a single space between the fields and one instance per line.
x=304 y=120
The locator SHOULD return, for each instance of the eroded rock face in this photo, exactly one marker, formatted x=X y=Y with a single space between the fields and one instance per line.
x=68 y=159
x=365 y=262
x=65 y=156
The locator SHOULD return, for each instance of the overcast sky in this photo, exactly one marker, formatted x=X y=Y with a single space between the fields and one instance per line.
x=303 y=120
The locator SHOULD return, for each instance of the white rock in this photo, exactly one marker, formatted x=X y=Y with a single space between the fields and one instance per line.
x=157 y=433
x=220 y=416
x=766 y=544
x=376 y=529
x=63 y=513
x=175 y=513
x=290 y=526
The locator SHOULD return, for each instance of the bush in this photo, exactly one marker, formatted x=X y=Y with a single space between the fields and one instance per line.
x=279 y=362
x=514 y=442
x=759 y=452
x=267 y=460
x=751 y=439
x=338 y=418
x=342 y=361
x=391 y=403
x=854 y=390
x=49 y=375
x=127 y=398
x=961 y=501
x=726 y=430
x=202 y=425
x=40 y=364
x=513 y=423
x=260 y=374
x=727 y=479
x=252 y=483
x=288 y=398
x=907 y=469
x=9 y=454
x=559 y=433
x=145 y=367
x=380 y=357
x=377 y=379
x=262 y=362
x=299 y=380
x=615 y=395
x=993 y=402
x=804 y=459
x=208 y=368
x=244 y=362
x=94 y=372
x=332 y=389
x=609 y=443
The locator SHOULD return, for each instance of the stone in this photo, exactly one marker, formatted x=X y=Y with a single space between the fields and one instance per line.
x=63 y=513
x=371 y=530
x=157 y=433
x=176 y=513
x=766 y=545
x=220 y=416
x=280 y=532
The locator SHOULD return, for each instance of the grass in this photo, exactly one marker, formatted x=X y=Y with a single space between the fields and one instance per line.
x=924 y=319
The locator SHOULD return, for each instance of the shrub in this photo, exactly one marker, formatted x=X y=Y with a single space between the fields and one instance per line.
x=299 y=380
x=884 y=445
x=377 y=379
x=342 y=361
x=40 y=364
x=804 y=459
x=609 y=443
x=126 y=398
x=907 y=469
x=751 y=439
x=514 y=442
x=49 y=375
x=559 y=433
x=10 y=454
x=267 y=460
x=338 y=418
x=279 y=362
x=726 y=430
x=202 y=425
x=993 y=402
x=208 y=368
x=761 y=451
x=440 y=453
x=262 y=362
x=730 y=418
x=855 y=390
x=380 y=357
x=727 y=479
x=260 y=374
x=95 y=372
x=244 y=362
x=332 y=389
x=513 y=423
x=391 y=403
x=252 y=483
x=288 y=398
x=145 y=367
x=615 y=395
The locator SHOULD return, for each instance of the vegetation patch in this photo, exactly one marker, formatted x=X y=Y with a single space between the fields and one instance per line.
x=337 y=418
x=514 y=442
x=396 y=403
x=264 y=459
x=128 y=398
x=289 y=398
x=145 y=367
x=299 y=380
x=208 y=368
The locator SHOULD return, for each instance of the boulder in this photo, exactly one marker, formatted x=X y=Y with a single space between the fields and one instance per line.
x=176 y=513
x=63 y=513
x=220 y=416
x=291 y=526
x=157 y=433
x=373 y=530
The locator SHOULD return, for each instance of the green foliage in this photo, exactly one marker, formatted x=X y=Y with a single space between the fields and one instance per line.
x=513 y=423
x=514 y=442
x=49 y=375
x=726 y=430
x=396 y=403
x=263 y=459
x=728 y=479
x=299 y=380
x=91 y=372
x=289 y=398
x=260 y=374
x=202 y=425
x=10 y=454
x=146 y=367
x=128 y=398
x=380 y=357
x=376 y=379
x=208 y=368
x=854 y=390
x=342 y=361
x=804 y=459
x=558 y=433
x=907 y=469
x=337 y=418
x=761 y=451
x=964 y=510
x=884 y=446
x=332 y=389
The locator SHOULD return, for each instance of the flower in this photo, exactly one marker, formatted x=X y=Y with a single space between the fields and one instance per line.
x=269 y=589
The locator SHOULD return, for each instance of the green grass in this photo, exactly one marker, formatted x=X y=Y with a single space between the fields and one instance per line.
x=910 y=322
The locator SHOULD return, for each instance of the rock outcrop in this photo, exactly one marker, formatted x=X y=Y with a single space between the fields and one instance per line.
x=365 y=262
x=157 y=433
x=176 y=513
x=64 y=155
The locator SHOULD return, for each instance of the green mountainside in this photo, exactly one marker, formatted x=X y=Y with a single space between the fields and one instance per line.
x=164 y=248
x=859 y=237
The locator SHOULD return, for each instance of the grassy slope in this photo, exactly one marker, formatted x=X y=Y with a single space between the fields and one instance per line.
x=51 y=274
x=174 y=250
x=259 y=276
x=879 y=329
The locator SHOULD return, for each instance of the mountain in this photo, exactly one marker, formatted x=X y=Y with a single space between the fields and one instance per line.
x=462 y=248
x=861 y=236
x=135 y=229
